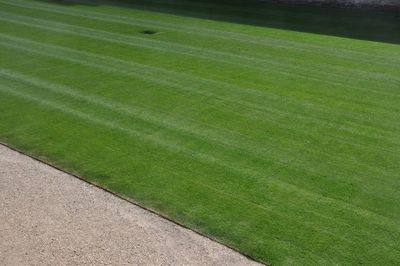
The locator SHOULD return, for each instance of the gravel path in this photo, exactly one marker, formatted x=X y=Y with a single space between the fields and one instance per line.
x=48 y=217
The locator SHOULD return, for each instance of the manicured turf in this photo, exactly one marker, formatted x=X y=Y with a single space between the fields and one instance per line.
x=282 y=144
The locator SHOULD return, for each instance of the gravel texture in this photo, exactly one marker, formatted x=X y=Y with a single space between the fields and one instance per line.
x=48 y=217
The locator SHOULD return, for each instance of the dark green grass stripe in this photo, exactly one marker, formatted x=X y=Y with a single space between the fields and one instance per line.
x=211 y=54
x=227 y=35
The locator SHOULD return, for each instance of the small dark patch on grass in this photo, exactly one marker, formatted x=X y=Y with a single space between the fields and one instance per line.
x=149 y=32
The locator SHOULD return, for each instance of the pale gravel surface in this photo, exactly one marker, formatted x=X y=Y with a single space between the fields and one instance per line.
x=48 y=217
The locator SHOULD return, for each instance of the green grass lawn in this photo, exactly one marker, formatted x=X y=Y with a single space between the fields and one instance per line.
x=281 y=143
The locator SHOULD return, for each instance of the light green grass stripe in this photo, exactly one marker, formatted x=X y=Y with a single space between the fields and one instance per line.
x=343 y=52
x=120 y=66
x=289 y=68
x=206 y=158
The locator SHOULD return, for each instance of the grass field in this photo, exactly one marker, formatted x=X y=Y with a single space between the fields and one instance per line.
x=278 y=141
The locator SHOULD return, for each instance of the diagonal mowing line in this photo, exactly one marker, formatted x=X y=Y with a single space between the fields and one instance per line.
x=120 y=66
x=258 y=64
x=215 y=33
x=376 y=218
x=254 y=149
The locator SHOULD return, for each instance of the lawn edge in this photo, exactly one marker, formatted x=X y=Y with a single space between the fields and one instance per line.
x=131 y=201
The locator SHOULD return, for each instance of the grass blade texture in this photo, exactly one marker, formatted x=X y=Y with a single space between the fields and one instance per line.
x=278 y=136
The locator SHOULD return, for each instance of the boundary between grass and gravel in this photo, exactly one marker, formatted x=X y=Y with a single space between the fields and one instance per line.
x=131 y=201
